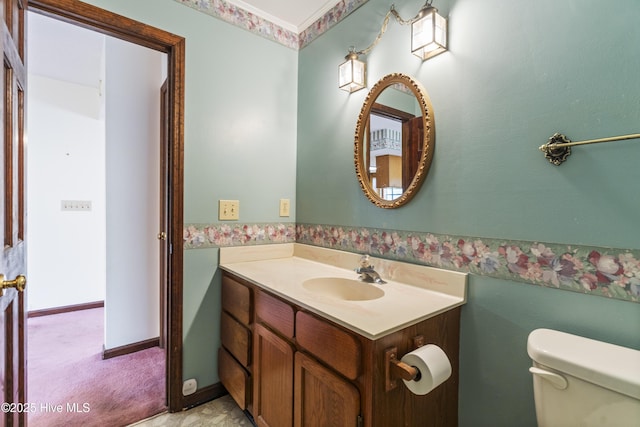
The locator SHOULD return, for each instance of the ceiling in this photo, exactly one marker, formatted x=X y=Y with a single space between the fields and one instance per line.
x=54 y=45
x=293 y=15
x=63 y=51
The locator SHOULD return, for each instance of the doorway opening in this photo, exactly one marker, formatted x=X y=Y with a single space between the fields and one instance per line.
x=94 y=198
x=110 y=24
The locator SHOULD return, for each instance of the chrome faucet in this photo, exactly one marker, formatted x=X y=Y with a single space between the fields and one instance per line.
x=367 y=273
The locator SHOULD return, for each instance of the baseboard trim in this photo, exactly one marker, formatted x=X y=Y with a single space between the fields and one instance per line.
x=204 y=395
x=130 y=348
x=65 y=309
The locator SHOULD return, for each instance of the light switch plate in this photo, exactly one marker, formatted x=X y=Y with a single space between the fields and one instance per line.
x=228 y=210
x=75 y=205
x=285 y=207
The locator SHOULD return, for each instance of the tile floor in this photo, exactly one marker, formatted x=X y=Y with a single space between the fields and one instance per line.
x=222 y=412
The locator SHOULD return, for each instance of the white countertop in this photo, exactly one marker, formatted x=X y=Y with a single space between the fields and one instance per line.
x=281 y=269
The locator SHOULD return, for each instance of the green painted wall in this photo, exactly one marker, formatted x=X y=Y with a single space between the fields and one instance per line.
x=240 y=143
x=516 y=73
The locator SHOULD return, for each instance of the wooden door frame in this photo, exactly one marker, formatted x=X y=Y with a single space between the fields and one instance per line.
x=111 y=24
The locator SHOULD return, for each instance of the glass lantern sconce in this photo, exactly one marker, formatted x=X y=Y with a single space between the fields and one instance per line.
x=352 y=73
x=428 y=39
x=428 y=33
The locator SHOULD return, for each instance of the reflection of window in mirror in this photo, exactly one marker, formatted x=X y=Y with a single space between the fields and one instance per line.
x=391 y=193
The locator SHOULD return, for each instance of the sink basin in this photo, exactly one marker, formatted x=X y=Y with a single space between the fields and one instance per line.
x=343 y=289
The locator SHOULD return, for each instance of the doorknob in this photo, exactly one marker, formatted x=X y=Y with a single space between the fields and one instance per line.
x=19 y=283
x=162 y=236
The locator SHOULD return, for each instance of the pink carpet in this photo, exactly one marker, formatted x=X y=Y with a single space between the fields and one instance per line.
x=70 y=385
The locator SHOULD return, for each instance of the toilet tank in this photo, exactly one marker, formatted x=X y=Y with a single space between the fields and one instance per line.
x=583 y=382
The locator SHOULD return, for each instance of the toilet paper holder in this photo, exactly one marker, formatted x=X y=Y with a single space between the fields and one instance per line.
x=395 y=369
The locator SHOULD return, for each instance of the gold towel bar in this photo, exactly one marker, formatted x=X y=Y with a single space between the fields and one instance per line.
x=558 y=147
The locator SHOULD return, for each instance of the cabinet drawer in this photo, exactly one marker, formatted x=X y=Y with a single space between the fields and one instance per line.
x=234 y=378
x=236 y=299
x=236 y=338
x=332 y=345
x=276 y=313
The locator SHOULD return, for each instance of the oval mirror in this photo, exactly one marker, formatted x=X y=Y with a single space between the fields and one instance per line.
x=394 y=141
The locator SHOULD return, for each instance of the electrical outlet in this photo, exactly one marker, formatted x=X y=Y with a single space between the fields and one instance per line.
x=189 y=386
x=285 y=207
x=228 y=210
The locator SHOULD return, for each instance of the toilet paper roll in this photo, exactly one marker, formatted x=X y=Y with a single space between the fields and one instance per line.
x=434 y=367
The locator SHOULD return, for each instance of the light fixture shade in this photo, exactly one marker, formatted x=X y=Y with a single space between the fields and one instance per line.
x=352 y=73
x=429 y=34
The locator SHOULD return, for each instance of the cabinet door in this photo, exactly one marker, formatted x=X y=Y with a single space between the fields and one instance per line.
x=272 y=379
x=322 y=397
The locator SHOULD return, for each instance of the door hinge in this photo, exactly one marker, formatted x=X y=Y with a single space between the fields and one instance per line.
x=359 y=421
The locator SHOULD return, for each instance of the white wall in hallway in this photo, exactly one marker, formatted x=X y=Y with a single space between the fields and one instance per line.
x=134 y=75
x=66 y=249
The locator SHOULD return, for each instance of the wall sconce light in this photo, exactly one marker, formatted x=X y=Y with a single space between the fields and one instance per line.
x=352 y=72
x=428 y=39
x=428 y=33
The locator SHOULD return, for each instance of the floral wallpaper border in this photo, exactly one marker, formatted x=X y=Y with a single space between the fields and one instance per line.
x=607 y=272
x=241 y=18
x=197 y=236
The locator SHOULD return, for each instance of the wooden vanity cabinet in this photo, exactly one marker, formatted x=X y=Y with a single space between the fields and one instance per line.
x=290 y=387
x=310 y=372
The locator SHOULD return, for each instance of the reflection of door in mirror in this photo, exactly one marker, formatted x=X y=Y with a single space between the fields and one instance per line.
x=412 y=143
x=393 y=150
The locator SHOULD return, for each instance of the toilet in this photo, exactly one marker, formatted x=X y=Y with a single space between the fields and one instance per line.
x=582 y=382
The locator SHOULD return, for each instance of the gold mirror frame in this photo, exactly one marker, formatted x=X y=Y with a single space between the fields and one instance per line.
x=428 y=143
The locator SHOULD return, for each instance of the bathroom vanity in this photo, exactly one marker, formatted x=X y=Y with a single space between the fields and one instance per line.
x=306 y=344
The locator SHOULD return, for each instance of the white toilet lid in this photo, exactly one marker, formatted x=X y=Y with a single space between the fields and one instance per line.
x=607 y=365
